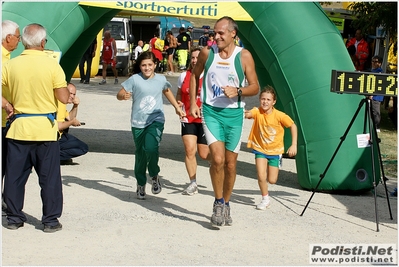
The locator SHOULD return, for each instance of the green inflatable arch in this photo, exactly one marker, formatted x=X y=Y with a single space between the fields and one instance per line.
x=295 y=47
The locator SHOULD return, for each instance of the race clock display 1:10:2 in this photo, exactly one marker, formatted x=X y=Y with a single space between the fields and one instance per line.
x=364 y=83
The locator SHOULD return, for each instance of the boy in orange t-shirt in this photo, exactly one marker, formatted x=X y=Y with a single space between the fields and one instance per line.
x=267 y=140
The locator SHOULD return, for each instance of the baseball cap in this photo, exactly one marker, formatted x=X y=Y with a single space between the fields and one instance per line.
x=189 y=27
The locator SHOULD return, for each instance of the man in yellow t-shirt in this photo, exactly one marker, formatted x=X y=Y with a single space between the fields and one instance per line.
x=35 y=82
x=10 y=39
x=70 y=146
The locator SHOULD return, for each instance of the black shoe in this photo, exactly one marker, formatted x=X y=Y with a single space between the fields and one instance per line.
x=14 y=226
x=52 y=229
x=81 y=81
x=66 y=162
x=86 y=82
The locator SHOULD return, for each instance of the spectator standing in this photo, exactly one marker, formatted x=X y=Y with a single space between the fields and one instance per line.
x=109 y=56
x=267 y=141
x=87 y=57
x=35 y=82
x=192 y=133
x=203 y=40
x=229 y=76
x=138 y=50
x=9 y=40
x=147 y=119
x=352 y=53
x=376 y=100
x=172 y=44
x=362 y=48
x=190 y=33
x=157 y=53
x=239 y=42
x=211 y=41
x=183 y=46
x=70 y=146
x=392 y=67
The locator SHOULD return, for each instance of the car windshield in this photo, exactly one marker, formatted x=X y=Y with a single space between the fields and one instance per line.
x=117 y=30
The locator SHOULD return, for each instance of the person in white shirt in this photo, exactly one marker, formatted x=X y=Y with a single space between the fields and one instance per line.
x=138 y=50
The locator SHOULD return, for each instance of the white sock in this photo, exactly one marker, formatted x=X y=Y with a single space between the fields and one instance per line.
x=266 y=197
x=194 y=181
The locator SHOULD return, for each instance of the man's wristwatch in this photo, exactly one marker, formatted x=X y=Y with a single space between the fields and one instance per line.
x=239 y=91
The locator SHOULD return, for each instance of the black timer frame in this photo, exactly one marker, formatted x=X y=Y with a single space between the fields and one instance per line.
x=368 y=121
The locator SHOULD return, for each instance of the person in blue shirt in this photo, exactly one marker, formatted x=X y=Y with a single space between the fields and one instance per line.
x=146 y=88
x=376 y=100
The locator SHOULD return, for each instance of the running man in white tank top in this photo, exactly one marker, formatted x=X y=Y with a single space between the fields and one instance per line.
x=229 y=75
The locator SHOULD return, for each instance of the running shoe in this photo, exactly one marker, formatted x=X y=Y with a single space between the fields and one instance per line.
x=191 y=189
x=227 y=218
x=156 y=185
x=102 y=82
x=140 y=191
x=265 y=203
x=218 y=215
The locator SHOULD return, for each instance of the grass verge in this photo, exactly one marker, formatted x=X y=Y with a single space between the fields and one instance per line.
x=388 y=145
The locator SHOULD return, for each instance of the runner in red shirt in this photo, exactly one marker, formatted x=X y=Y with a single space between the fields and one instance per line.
x=109 y=56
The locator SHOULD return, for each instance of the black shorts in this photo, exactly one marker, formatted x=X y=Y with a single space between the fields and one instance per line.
x=194 y=129
x=170 y=51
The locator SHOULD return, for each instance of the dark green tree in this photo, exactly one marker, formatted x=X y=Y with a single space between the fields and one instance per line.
x=369 y=15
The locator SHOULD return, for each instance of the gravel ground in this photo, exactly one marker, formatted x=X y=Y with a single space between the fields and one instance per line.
x=105 y=224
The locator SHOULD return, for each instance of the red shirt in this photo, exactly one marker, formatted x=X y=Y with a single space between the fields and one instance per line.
x=108 y=49
x=362 y=51
x=157 y=53
x=185 y=97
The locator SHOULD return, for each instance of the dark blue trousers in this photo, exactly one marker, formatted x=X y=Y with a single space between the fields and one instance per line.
x=45 y=158
x=71 y=147
x=3 y=152
x=88 y=59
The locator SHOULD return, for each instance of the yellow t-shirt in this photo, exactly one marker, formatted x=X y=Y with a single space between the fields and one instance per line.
x=267 y=133
x=392 y=59
x=32 y=78
x=6 y=55
x=62 y=113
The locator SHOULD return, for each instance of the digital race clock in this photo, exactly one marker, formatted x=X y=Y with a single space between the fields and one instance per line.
x=364 y=83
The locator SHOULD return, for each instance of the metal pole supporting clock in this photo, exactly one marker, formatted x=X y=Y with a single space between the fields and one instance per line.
x=363 y=83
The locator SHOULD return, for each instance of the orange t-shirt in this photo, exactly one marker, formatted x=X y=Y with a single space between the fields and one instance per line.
x=267 y=133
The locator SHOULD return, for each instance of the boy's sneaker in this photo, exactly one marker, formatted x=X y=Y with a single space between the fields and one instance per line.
x=156 y=185
x=103 y=82
x=140 y=191
x=265 y=203
x=227 y=218
x=218 y=215
x=191 y=189
x=116 y=81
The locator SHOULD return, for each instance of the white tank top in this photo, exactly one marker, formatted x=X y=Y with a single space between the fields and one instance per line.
x=222 y=72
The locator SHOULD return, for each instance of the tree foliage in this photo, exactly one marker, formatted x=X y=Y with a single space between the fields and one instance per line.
x=369 y=15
